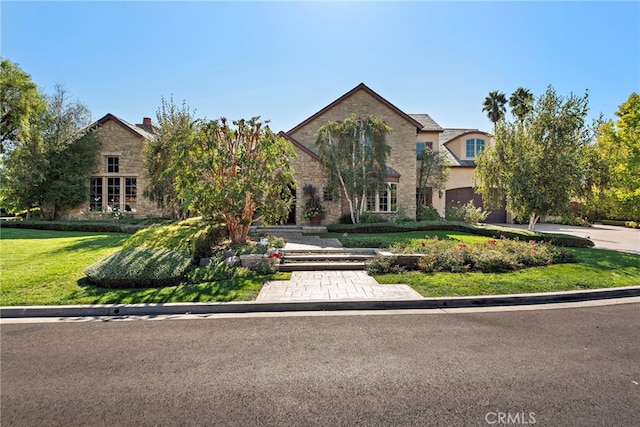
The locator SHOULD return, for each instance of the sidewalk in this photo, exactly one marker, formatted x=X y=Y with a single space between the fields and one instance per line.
x=332 y=286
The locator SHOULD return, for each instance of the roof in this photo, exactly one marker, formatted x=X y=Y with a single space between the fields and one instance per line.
x=455 y=161
x=299 y=145
x=364 y=87
x=428 y=124
x=137 y=131
x=450 y=134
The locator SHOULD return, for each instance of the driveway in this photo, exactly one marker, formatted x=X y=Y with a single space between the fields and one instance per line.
x=604 y=236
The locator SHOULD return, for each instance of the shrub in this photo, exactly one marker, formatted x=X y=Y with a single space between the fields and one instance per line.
x=383 y=265
x=427 y=213
x=492 y=256
x=215 y=272
x=139 y=267
x=345 y=219
x=495 y=232
x=194 y=237
x=264 y=268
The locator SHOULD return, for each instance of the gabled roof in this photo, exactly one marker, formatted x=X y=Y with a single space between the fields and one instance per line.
x=450 y=134
x=299 y=145
x=428 y=124
x=135 y=130
x=364 y=87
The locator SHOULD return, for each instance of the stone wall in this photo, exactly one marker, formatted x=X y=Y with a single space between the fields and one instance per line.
x=118 y=141
x=402 y=139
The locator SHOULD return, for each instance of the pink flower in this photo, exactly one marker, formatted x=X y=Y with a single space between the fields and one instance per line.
x=532 y=242
x=462 y=246
x=492 y=242
x=276 y=255
x=422 y=244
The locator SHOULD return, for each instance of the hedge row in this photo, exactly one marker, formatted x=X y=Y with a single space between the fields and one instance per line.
x=86 y=226
x=493 y=231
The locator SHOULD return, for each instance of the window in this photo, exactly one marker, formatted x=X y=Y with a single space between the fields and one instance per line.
x=327 y=195
x=385 y=200
x=113 y=193
x=130 y=194
x=95 y=195
x=424 y=196
x=422 y=146
x=474 y=147
x=113 y=164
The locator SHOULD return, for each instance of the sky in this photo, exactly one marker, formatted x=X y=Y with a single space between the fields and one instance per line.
x=284 y=61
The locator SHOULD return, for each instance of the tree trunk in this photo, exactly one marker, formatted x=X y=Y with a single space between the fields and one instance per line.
x=533 y=218
x=237 y=232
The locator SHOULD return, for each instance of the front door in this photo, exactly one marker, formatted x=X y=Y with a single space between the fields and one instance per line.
x=291 y=220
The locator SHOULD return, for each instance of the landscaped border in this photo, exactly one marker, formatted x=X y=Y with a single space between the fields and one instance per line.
x=486 y=230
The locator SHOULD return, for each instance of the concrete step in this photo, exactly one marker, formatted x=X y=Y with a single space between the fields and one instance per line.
x=320 y=266
x=335 y=257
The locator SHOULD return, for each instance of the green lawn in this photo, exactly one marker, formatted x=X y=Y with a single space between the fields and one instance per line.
x=47 y=268
x=596 y=268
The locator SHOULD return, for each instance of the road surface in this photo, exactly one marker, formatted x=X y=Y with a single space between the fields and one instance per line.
x=577 y=366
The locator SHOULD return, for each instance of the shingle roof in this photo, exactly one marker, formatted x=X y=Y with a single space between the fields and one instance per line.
x=125 y=124
x=455 y=161
x=426 y=121
x=449 y=134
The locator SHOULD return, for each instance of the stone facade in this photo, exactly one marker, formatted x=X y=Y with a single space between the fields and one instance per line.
x=402 y=139
x=409 y=131
x=119 y=178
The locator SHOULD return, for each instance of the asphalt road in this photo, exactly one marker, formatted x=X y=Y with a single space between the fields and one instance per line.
x=569 y=367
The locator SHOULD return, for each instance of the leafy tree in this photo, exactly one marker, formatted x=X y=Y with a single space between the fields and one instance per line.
x=536 y=164
x=175 y=124
x=521 y=103
x=50 y=165
x=613 y=166
x=235 y=171
x=433 y=172
x=494 y=105
x=353 y=153
x=21 y=103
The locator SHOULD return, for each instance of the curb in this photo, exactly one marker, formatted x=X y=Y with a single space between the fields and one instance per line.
x=324 y=305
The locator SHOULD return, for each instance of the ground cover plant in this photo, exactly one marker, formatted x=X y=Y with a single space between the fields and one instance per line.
x=47 y=267
x=592 y=269
x=488 y=256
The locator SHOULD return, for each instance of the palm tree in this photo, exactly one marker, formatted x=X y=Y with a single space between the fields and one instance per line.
x=521 y=103
x=494 y=105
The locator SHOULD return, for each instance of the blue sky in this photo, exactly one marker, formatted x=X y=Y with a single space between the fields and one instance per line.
x=286 y=60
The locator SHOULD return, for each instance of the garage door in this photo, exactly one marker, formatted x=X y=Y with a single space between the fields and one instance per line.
x=461 y=196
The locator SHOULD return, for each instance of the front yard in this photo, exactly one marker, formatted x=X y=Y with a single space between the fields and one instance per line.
x=595 y=268
x=47 y=268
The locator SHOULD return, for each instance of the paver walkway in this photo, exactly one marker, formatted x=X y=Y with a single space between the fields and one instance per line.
x=333 y=285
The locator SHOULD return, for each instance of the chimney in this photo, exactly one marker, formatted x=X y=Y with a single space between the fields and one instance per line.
x=146 y=124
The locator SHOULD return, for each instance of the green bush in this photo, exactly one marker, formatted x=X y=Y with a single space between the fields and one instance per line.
x=84 y=226
x=383 y=265
x=468 y=213
x=215 y=272
x=194 y=237
x=139 y=268
x=493 y=256
x=427 y=213
x=486 y=230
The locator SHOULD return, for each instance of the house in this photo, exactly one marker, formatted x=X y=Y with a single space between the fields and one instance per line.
x=117 y=183
x=118 y=180
x=410 y=134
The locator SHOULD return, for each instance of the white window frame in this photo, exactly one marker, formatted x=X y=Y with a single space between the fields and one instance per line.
x=391 y=195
